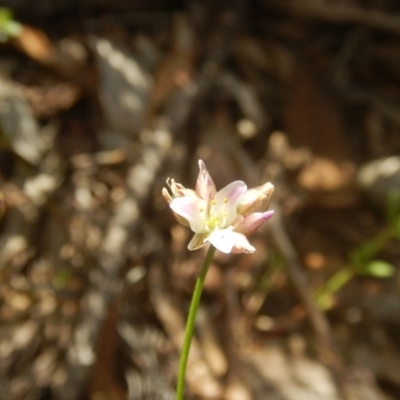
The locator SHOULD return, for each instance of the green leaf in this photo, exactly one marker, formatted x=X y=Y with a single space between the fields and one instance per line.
x=379 y=269
x=13 y=28
x=8 y=26
x=372 y=247
x=356 y=257
x=5 y=15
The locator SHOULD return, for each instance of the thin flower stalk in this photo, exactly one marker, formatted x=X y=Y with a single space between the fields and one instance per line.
x=224 y=219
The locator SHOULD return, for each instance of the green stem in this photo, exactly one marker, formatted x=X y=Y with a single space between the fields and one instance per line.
x=335 y=283
x=194 y=305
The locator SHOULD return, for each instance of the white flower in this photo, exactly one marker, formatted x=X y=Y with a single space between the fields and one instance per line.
x=223 y=218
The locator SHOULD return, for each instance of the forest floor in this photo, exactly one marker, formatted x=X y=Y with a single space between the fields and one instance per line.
x=101 y=102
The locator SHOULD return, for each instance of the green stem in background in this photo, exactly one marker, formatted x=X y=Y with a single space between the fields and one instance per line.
x=362 y=263
x=194 y=305
x=337 y=281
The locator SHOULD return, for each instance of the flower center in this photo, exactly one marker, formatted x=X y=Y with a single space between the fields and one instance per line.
x=217 y=214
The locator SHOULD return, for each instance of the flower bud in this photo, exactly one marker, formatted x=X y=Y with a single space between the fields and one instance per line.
x=256 y=199
x=176 y=190
x=205 y=186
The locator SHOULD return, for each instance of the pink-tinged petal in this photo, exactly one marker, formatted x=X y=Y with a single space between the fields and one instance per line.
x=237 y=221
x=227 y=200
x=252 y=222
x=191 y=209
x=205 y=187
x=234 y=192
x=198 y=241
x=223 y=240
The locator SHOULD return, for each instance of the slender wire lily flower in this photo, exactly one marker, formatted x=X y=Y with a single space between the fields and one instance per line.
x=223 y=218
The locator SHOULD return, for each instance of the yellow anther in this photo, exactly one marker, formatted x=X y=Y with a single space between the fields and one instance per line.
x=213 y=202
x=225 y=200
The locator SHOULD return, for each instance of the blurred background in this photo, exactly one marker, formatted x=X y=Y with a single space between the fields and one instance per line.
x=101 y=101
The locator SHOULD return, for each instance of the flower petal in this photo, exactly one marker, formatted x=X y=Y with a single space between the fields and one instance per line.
x=192 y=209
x=223 y=240
x=227 y=200
x=242 y=245
x=253 y=221
x=229 y=241
x=198 y=241
x=205 y=187
x=167 y=195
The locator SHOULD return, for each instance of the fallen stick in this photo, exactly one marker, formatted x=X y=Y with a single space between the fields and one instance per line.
x=310 y=9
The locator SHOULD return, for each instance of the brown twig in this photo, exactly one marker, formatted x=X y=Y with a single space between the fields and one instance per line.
x=317 y=317
x=327 y=12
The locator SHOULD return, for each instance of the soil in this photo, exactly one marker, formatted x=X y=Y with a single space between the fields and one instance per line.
x=102 y=101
